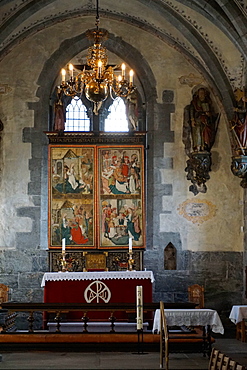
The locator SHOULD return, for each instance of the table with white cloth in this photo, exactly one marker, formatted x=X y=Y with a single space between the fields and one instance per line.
x=207 y=319
x=190 y=317
x=238 y=315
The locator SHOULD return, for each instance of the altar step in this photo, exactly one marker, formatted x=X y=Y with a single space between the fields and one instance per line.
x=91 y=342
x=95 y=327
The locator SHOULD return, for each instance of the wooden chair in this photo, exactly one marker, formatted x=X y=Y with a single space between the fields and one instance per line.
x=219 y=361
x=240 y=367
x=241 y=330
x=225 y=363
x=4 y=293
x=232 y=365
x=213 y=359
x=196 y=295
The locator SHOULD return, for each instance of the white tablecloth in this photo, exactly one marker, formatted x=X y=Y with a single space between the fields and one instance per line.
x=238 y=313
x=59 y=276
x=190 y=317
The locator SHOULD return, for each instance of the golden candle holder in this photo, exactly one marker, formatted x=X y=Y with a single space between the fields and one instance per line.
x=131 y=261
x=64 y=262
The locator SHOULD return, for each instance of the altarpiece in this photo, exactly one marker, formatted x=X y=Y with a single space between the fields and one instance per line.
x=96 y=201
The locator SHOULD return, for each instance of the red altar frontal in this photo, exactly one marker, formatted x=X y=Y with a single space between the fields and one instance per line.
x=96 y=287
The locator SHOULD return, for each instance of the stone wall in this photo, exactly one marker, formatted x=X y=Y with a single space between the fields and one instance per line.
x=209 y=252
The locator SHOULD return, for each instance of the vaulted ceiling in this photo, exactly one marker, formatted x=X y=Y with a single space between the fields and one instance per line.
x=211 y=34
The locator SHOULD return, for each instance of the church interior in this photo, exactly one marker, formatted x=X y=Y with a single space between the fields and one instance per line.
x=160 y=203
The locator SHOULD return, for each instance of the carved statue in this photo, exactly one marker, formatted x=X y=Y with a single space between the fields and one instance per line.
x=132 y=111
x=202 y=121
x=59 y=120
x=199 y=131
x=239 y=122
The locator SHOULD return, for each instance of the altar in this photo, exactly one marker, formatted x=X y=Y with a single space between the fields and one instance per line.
x=96 y=288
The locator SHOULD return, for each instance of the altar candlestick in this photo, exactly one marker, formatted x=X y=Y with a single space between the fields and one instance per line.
x=139 y=308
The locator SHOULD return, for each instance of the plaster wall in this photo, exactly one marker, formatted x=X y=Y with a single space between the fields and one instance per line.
x=24 y=207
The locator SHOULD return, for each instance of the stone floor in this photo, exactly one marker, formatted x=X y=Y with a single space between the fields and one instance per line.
x=117 y=360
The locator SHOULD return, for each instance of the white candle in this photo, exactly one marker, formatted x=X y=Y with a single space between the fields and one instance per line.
x=131 y=76
x=71 y=68
x=139 y=308
x=130 y=245
x=99 y=68
x=123 y=70
x=63 y=72
x=63 y=245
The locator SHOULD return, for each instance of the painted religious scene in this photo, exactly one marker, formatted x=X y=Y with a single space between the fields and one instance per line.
x=72 y=196
x=121 y=196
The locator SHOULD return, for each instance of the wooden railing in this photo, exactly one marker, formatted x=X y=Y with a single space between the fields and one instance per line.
x=164 y=338
x=59 y=308
x=63 y=308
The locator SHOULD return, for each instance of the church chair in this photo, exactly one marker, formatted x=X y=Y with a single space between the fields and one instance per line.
x=241 y=330
x=225 y=363
x=196 y=295
x=240 y=367
x=219 y=361
x=4 y=293
x=232 y=365
x=213 y=359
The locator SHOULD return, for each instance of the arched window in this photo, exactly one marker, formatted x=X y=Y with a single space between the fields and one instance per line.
x=76 y=116
x=116 y=119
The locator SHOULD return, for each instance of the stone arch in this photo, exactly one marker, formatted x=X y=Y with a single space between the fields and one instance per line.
x=39 y=158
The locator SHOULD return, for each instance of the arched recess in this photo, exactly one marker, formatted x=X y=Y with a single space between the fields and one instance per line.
x=39 y=158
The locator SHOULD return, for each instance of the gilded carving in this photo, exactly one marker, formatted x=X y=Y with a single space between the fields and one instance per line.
x=5 y=89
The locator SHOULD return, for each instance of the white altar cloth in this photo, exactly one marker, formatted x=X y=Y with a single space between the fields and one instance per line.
x=190 y=317
x=97 y=275
x=238 y=313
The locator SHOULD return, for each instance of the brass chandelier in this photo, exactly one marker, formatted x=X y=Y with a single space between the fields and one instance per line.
x=97 y=80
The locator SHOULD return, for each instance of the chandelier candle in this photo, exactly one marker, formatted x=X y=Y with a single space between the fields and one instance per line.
x=63 y=73
x=123 y=70
x=71 y=68
x=131 y=76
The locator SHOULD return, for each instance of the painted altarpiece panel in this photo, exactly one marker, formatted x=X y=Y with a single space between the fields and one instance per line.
x=72 y=196
x=121 y=196
x=96 y=196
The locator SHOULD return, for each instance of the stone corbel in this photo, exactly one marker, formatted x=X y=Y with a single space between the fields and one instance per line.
x=198 y=168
